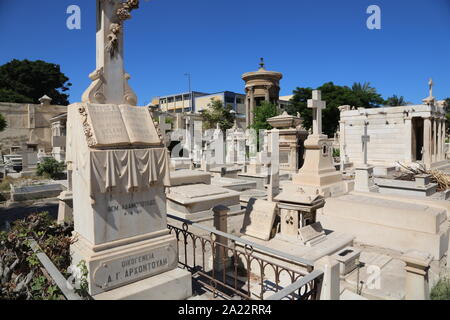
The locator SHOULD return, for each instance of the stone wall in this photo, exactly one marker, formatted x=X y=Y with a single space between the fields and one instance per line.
x=28 y=123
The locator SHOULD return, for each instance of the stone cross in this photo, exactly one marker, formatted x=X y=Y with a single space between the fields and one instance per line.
x=109 y=80
x=317 y=105
x=430 y=83
x=365 y=140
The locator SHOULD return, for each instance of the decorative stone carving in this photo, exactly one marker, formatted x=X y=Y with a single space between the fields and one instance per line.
x=87 y=127
x=123 y=14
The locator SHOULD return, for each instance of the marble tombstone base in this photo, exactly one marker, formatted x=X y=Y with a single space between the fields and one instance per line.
x=134 y=268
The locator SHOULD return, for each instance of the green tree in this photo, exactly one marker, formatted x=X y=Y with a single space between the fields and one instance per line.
x=447 y=115
x=263 y=112
x=395 y=101
x=368 y=96
x=335 y=96
x=51 y=168
x=216 y=113
x=3 y=123
x=24 y=81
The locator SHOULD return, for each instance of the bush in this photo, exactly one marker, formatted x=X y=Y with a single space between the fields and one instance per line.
x=336 y=153
x=23 y=277
x=441 y=291
x=51 y=168
x=5 y=184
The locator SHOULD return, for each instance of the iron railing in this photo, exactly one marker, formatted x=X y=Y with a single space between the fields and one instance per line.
x=232 y=267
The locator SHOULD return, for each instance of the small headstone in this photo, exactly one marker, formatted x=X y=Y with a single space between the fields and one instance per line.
x=259 y=219
x=312 y=233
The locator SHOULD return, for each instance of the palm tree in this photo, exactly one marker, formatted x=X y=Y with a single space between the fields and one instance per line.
x=396 y=101
x=364 y=88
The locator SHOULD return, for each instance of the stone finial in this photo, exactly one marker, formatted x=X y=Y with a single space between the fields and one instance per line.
x=45 y=100
x=430 y=84
x=261 y=64
x=430 y=100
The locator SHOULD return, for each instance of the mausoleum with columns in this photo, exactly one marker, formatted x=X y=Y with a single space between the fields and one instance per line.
x=261 y=85
x=405 y=134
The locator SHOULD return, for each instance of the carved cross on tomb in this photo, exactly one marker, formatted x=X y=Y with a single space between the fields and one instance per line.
x=109 y=80
x=365 y=140
x=317 y=105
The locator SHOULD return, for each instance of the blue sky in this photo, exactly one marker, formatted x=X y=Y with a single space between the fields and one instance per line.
x=310 y=42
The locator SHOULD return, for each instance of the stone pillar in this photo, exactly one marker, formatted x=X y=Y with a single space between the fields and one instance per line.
x=439 y=140
x=408 y=137
x=220 y=258
x=330 y=287
x=443 y=138
x=427 y=142
x=267 y=94
x=342 y=144
x=417 y=266
x=252 y=106
x=274 y=186
x=247 y=110
x=434 y=140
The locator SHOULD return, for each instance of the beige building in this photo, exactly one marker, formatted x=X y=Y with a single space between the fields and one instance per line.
x=404 y=134
x=29 y=125
x=182 y=102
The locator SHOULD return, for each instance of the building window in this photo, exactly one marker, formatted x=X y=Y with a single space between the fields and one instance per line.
x=229 y=99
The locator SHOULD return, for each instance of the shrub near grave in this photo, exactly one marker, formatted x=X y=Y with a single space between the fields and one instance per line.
x=22 y=277
x=441 y=291
x=51 y=168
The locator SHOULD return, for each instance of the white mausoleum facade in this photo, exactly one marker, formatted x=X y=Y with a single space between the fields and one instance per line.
x=403 y=134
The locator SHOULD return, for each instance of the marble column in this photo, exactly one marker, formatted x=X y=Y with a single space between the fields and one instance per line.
x=427 y=142
x=274 y=185
x=439 y=140
x=342 y=144
x=442 y=144
x=247 y=109
x=267 y=94
x=443 y=138
x=434 y=140
x=252 y=106
x=408 y=137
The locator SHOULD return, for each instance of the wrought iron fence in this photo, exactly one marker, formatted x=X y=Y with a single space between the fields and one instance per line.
x=232 y=267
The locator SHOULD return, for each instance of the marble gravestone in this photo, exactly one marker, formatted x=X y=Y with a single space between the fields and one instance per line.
x=259 y=219
x=120 y=168
x=318 y=174
x=119 y=204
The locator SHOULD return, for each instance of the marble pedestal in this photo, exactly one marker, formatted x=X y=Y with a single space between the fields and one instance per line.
x=318 y=173
x=119 y=204
x=196 y=201
x=363 y=179
x=65 y=207
x=131 y=268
